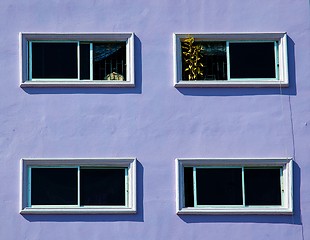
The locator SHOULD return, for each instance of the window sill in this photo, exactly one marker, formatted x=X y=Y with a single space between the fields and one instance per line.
x=77 y=84
x=241 y=211
x=225 y=83
x=82 y=210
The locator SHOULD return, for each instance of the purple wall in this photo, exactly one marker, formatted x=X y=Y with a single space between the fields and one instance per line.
x=154 y=122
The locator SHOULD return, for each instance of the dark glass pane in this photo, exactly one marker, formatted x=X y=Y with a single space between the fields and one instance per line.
x=252 y=60
x=188 y=187
x=219 y=186
x=109 y=61
x=54 y=60
x=102 y=186
x=84 y=61
x=53 y=186
x=262 y=186
x=213 y=59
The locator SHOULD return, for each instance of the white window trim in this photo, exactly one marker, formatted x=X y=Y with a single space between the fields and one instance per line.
x=287 y=201
x=126 y=37
x=281 y=37
x=129 y=163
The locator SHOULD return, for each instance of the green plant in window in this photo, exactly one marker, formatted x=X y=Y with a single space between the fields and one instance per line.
x=192 y=57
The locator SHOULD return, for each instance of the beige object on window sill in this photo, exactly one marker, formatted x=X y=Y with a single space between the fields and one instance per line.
x=114 y=76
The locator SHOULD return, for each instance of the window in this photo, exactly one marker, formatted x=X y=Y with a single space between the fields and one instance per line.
x=232 y=60
x=77 y=60
x=240 y=186
x=78 y=186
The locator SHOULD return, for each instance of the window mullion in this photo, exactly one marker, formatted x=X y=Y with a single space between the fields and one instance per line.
x=243 y=188
x=228 y=60
x=91 y=66
x=282 y=187
x=29 y=188
x=30 y=60
x=78 y=185
x=195 y=187
x=276 y=52
x=78 y=60
x=126 y=187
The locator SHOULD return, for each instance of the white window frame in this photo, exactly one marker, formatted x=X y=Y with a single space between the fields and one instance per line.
x=26 y=38
x=130 y=202
x=281 y=80
x=286 y=180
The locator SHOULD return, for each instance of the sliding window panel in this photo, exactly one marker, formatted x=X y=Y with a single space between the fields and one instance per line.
x=54 y=186
x=252 y=60
x=219 y=186
x=52 y=60
x=103 y=187
x=262 y=186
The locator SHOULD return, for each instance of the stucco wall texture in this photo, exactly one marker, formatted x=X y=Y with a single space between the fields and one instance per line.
x=154 y=122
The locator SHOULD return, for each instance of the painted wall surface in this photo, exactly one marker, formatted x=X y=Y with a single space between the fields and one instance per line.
x=154 y=121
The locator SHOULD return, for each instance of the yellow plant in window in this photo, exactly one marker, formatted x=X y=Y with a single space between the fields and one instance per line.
x=192 y=57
